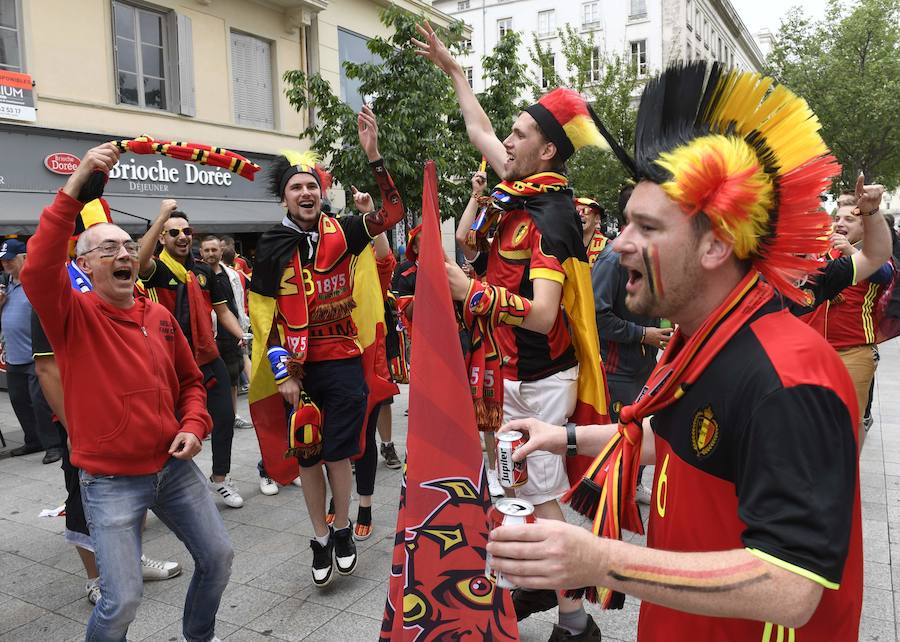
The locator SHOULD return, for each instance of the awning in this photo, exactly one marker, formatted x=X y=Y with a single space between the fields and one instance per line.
x=19 y=213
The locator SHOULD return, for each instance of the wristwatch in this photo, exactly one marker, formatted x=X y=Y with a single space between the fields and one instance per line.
x=571 y=447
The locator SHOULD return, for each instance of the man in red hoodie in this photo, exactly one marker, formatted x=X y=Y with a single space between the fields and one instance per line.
x=135 y=443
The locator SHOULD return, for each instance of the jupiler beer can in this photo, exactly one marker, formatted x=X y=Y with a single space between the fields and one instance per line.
x=510 y=474
x=506 y=511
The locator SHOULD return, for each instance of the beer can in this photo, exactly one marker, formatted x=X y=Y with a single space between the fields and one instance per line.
x=510 y=474
x=507 y=510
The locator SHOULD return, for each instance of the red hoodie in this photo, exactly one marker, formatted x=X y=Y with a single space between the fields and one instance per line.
x=127 y=374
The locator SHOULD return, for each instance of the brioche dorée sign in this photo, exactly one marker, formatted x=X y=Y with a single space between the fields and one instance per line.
x=62 y=163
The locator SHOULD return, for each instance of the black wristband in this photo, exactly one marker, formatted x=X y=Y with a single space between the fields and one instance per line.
x=571 y=447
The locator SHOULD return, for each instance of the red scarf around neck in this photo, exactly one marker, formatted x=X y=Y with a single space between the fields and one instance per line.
x=606 y=492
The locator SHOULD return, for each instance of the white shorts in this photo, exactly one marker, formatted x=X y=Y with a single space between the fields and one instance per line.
x=551 y=399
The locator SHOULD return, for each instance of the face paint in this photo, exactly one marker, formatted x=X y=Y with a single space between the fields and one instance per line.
x=651 y=263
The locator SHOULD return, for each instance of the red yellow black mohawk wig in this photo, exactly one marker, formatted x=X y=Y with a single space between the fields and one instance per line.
x=567 y=121
x=745 y=152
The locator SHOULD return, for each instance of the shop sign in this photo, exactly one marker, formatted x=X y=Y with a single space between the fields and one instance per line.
x=16 y=96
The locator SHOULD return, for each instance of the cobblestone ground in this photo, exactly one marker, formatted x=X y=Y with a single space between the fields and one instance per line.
x=270 y=595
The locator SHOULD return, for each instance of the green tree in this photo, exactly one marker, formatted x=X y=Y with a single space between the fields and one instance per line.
x=609 y=82
x=847 y=67
x=417 y=112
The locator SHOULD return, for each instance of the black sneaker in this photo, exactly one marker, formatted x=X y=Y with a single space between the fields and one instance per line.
x=390 y=456
x=590 y=634
x=323 y=560
x=528 y=602
x=344 y=550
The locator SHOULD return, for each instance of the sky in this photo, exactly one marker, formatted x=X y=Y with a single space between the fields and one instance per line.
x=762 y=14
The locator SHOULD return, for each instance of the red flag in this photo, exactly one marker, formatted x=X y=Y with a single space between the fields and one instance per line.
x=438 y=590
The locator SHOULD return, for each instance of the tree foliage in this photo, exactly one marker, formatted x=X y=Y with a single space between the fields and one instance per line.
x=417 y=110
x=847 y=67
x=610 y=82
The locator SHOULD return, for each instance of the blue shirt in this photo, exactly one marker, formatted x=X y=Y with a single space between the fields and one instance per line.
x=16 y=325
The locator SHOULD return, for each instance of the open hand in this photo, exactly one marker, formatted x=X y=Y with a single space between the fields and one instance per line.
x=367 y=126
x=433 y=49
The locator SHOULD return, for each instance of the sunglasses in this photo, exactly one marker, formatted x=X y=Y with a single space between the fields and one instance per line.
x=175 y=232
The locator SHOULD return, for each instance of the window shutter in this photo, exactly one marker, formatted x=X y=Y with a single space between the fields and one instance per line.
x=187 y=105
x=251 y=68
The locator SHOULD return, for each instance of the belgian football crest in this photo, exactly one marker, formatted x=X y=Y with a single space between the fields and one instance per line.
x=704 y=432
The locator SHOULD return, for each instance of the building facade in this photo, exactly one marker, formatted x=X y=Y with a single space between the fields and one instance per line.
x=651 y=33
x=74 y=73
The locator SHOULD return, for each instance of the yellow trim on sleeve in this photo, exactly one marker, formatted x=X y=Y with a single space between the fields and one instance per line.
x=547 y=274
x=802 y=572
x=853 y=263
x=35 y=355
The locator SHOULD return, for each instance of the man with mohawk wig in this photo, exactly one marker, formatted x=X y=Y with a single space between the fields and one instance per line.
x=751 y=421
x=307 y=374
x=535 y=345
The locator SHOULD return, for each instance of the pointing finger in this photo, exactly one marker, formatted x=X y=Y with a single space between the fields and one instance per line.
x=860 y=184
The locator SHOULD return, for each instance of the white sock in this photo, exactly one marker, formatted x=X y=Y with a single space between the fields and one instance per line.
x=343 y=527
x=323 y=540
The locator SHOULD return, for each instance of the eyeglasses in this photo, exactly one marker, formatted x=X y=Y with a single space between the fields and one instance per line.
x=110 y=249
x=175 y=232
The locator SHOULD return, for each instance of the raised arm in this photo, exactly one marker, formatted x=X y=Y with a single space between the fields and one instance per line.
x=44 y=276
x=392 y=210
x=876 y=242
x=479 y=183
x=146 y=263
x=478 y=125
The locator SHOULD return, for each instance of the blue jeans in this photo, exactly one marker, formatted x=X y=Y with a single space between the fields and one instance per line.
x=115 y=508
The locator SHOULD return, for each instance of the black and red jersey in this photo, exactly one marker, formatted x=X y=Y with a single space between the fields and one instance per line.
x=761 y=454
x=515 y=259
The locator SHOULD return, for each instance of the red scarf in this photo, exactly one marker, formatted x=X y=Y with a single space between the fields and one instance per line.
x=606 y=492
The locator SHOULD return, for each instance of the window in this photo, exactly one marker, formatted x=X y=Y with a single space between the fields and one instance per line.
x=353 y=48
x=721 y=56
x=546 y=22
x=697 y=23
x=503 y=25
x=251 y=72
x=466 y=44
x=638 y=9
x=548 y=72
x=142 y=56
x=10 y=52
x=639 y=56
x=590 y=13
x=596 y=65
x=706 y=33
x=462 y=5
x=468 y=73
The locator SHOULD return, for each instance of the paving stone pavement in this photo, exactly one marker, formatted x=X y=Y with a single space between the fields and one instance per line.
x=270 y=595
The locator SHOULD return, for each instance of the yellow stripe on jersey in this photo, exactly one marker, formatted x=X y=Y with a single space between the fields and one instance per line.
x=868 y=321
x=802 y=572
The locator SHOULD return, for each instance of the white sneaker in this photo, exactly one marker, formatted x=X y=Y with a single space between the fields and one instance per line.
x=267 y=486
x=228 y=492
x=297 y=482
x=241 y=424
x=642 y=495
x=215 y=639
x=92 y=588
x=494 y=486
x=158 y=569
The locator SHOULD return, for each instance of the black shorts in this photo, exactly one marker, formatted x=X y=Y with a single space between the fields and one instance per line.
x=234 y=364
x=75 y=520
x=339 y=388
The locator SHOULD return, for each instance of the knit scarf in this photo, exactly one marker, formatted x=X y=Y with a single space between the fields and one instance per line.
x=203 y=340
x=606 y=492
x=484 y=362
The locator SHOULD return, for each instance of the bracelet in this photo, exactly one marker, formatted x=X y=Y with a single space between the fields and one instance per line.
x=571 y=447
x=872 y=213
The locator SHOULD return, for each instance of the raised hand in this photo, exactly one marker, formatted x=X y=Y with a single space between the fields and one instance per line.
x=433 y=49
x=166 y=208
x=362 y=201
x=101 y=158
x=868 y=197
x=367 y=126
x=479 y=182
